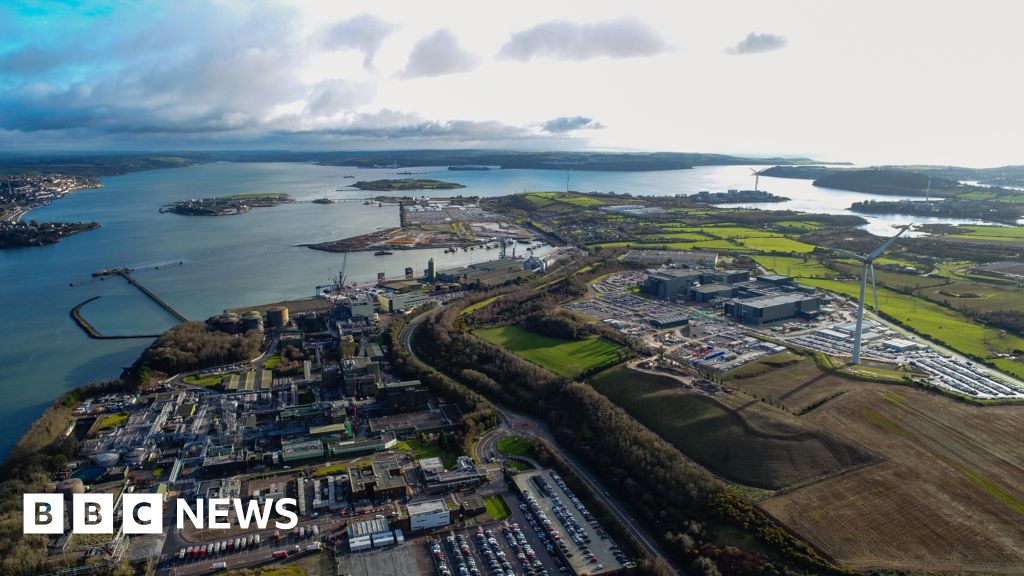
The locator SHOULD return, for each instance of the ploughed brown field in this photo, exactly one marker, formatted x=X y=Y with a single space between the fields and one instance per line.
x=947 y=496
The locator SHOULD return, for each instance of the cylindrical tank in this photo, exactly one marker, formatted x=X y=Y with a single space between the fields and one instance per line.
x=252 y=321
x=277 y=317
x=227 y=322
x=106 y=459
x=71 y=486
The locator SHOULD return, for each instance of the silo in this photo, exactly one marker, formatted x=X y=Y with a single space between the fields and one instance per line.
x=71 y=486
x=227 y=322
x=277 y=317
x=252 y=320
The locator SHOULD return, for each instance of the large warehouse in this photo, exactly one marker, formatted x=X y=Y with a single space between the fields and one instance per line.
x=774 y=308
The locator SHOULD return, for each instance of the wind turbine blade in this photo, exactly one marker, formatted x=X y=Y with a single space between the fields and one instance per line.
x=874 y=288
x=849 y=254
x=877 y=251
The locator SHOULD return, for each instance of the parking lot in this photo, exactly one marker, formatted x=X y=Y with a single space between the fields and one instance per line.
x=505 y=548
x=562 y=519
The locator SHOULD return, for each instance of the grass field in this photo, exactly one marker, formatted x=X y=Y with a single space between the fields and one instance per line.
x=991 y=232
x=546 y=198
x=956 y=330
x=795 y=267
x=732 y=232
x=497 y=509
x=111 y=421
x=566 y=357
x=776 y=245
x=734 y=435
x=516 y=446
x=421 y=448
x=949 y=493
x=474 y=307
x=207 y=381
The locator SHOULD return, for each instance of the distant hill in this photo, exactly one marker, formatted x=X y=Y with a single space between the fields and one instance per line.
x=622 y=162
x=889 y=182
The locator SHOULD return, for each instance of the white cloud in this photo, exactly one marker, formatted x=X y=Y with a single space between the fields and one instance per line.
x=364 y=33
x=570 y=124
x=620 y=38
x=758 y=42
x=438 y=54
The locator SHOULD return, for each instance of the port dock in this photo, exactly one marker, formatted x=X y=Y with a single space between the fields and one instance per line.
x=92 y=332
x=126 y=274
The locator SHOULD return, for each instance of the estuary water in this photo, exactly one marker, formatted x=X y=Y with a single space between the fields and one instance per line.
x=249 y=259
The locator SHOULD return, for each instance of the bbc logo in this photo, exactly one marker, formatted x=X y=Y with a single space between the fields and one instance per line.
x=92 y=513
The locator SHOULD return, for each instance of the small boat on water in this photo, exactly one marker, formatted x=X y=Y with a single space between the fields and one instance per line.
x=350 y=176
x=383 y=253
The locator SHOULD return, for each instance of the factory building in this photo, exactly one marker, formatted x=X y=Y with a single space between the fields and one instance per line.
x=360 y=375
x=670 y=321
x=360 y=306
x=773 y=308
x=699 y=285
x=428 y=514
x=671 y=284
x=401 y=301
x=437 y=479
x=376 y=480
x=407 y=396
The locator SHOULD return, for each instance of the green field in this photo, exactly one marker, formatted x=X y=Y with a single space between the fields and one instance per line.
x=207 y=381
x=795 y=267
x=546 y=198
x=497 y=509
x=474 y=307
x=516 y=446
x=566 y=357
x=112 y=421
x=776 y=245
x=421 y=448
x=937 y=322
x=991 y=232
x=731 y=232
x=736 y=436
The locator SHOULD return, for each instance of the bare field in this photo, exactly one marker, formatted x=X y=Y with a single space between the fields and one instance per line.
x=949 y=496
x=734 y=435
x=804 y=386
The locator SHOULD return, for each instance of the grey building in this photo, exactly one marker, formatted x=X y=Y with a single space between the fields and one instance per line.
x=671 y=284
x=770 y=309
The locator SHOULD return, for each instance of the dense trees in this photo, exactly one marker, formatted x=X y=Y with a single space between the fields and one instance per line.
x=675 y=498
x=196 y=345
x=39 y=454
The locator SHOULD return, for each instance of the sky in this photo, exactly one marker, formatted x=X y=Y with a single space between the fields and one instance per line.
x=935 y=82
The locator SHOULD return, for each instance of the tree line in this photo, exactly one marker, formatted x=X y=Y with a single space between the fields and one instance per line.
x=672 y=496
x=197 y=345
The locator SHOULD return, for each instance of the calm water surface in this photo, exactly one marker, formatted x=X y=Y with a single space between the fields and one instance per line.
x=244 y=260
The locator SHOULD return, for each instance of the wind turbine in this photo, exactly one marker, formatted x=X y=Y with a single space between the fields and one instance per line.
x=869 y=269
x=757 y=177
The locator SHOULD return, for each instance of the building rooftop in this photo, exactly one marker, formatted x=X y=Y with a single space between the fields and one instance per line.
x=427 y=506
x=774 y=300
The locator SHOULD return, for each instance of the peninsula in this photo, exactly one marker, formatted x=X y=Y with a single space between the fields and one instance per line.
x=226 y=205
x=403 y=184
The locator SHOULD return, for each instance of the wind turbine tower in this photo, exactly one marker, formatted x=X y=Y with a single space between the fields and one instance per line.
x=757 y=177
x=869 y=269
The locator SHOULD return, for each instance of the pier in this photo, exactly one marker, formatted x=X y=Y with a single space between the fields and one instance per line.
x=92 y=332
x=124 y=273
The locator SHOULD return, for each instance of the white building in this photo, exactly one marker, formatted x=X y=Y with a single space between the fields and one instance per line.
x=428 y=514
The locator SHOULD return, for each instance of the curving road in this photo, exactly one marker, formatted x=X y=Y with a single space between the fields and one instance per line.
x=515 y=423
